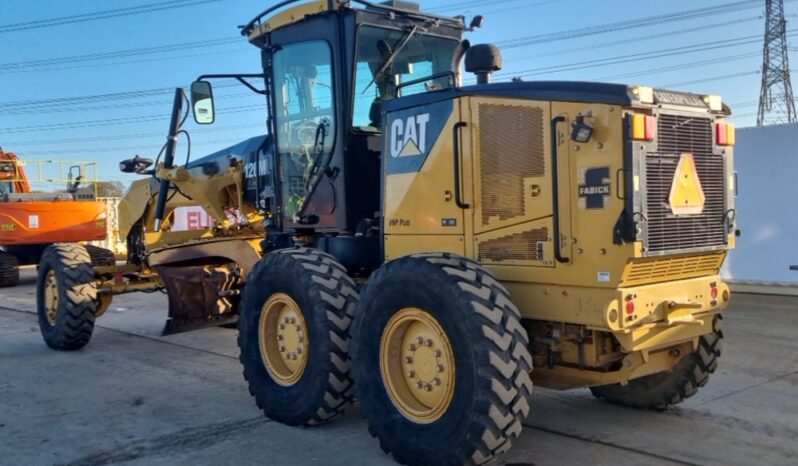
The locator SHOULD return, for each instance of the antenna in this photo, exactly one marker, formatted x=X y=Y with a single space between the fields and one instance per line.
x=776 y=104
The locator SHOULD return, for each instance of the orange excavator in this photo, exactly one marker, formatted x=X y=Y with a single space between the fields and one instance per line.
x=30 y=221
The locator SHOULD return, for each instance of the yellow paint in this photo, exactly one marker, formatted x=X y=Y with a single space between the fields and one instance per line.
x=730 y=136
x=283 y=339
x=687 y=195
x=671 y=293
x=417 y=365
x=287 y=17
x=418 y=203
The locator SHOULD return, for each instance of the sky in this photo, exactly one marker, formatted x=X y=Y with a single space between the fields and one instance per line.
x=55 y=80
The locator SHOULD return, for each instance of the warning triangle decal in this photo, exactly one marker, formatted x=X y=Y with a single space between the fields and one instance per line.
x=687 y=196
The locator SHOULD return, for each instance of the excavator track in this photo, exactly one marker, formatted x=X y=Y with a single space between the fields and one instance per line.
x=9 y=269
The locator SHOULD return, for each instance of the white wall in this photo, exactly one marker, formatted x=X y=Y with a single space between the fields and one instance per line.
x=766 y=160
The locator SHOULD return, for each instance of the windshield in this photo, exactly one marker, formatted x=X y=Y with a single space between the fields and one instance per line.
x=420 y=57
x=304 y=119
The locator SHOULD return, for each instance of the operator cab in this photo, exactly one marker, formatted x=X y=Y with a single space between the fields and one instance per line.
x=328 y=74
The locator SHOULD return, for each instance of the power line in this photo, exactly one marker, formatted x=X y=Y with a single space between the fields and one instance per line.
x=117 y=137
x=681 y=66
x=113 y=121
x=701 y=47
x=124 y=148
x=47 y=63
x=46 y=104
x=637 y=39
x=698 y=13
x=713 y=78
x=92 y=108
x=97 y=15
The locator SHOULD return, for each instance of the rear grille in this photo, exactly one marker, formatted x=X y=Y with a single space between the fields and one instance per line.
x=653 y=270
x=677 y=135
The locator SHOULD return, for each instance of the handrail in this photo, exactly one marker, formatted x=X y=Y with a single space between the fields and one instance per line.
x=457 y=199
x=555 y=193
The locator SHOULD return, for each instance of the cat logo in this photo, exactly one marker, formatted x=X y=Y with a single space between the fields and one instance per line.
x=409 y=136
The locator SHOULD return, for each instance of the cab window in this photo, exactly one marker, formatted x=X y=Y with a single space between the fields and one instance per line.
x=420 y=57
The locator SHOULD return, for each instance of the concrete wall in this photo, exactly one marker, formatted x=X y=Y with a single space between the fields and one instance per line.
x=767 y=206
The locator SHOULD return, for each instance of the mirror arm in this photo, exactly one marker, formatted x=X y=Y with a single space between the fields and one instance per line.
x=242 y=78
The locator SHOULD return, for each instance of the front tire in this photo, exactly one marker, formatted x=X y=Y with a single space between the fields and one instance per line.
x=294 y=336
x=66 y=296
x=660 y=391
x=440 y=361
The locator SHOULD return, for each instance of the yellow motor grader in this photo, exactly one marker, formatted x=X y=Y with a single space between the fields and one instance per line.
x=422 y=244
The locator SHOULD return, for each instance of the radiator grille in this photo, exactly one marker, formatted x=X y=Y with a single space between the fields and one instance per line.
x=654 y=270
x=525 y=246
x=678 y=135
x=512 y=148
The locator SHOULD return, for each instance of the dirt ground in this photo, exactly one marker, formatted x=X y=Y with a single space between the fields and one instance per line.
x=134 y=397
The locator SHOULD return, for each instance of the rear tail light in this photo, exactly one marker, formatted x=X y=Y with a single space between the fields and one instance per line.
x=724 y=134
x=643 y=127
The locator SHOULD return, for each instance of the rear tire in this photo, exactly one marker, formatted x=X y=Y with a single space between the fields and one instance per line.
x=314 y=290
x=100 y=257
x=660 y=391
x=66 y=296
x=490 y=362
x=9 y=270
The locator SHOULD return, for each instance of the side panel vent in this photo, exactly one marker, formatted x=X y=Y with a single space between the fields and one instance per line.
x=524 y=246
x=512 y=148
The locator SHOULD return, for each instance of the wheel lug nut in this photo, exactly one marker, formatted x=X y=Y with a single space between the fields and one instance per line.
x=279 y=337
x=298 y=328
x=282 y=349
x=419 y=384
x=299 y=351
x=287 y=320
x=300 y=339
x=408 y=360
x=282 y=326
x=293 y=320
x=436 y=381
x=420 y=340
x=428 y=387
x=411 y=374
x=411 y=346
x=439 y=367
x=437 y=353
x=428 y=342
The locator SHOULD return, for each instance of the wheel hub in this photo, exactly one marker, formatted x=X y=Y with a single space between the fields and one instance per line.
x=283 y=339
x=51 y=297
x=417 y=365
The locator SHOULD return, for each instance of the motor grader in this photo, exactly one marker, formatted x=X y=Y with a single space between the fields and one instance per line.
x=422 y=245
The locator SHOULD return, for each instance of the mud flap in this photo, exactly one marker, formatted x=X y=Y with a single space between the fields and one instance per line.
x=200 y=295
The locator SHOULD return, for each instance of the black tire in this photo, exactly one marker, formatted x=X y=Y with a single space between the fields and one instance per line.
x=492 y=361
x=73 y=324
x=327 y=297
x=9 y=270
x=660 y=391
x=100 y=256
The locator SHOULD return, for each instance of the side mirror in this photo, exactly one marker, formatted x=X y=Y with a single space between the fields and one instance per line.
x=476 y=23
x=202 y=102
